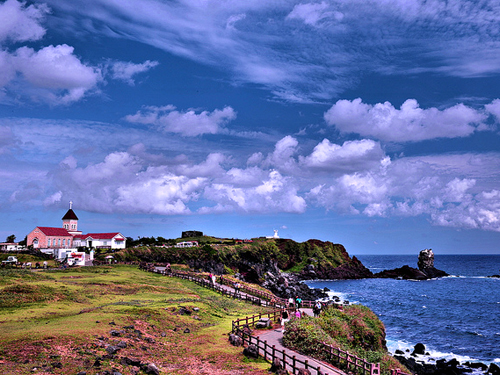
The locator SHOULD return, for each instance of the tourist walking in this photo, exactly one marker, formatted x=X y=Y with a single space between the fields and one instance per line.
x=291 y=302
x=284 y=318
x=317 y=309
x=298 y=302
x=237 y=289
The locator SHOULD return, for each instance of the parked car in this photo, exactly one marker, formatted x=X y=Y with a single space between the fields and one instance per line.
x=10 y=259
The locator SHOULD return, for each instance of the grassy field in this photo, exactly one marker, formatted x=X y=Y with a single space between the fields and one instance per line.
x=62 y=322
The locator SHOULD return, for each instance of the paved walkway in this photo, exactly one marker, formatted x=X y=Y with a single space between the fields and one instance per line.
x=275 y=337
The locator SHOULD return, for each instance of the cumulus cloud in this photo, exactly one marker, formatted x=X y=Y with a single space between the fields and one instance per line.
x=19 y=23
x=409 y=123
x=57 y=71
x=355 y=178
x=349 y=157
x=126 y=71
x=53 y=74
x=276 y=193
x=188 y=123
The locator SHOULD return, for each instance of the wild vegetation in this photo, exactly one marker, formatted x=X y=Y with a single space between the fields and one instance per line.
x=355 y=329
x=289 y=255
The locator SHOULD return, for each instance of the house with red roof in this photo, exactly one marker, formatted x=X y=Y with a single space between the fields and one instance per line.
x=68 y=236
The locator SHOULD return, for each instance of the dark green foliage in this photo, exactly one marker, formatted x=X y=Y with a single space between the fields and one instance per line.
x=355 y=329
x=288 y=254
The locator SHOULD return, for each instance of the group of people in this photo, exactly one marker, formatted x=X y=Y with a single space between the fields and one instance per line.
x=294 y=310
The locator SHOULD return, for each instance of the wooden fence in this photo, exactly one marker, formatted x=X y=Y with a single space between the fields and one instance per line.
x=335 y=356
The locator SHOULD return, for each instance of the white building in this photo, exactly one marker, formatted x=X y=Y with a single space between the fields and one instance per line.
x=113 y=240
x=10 y=246
x=187 y=244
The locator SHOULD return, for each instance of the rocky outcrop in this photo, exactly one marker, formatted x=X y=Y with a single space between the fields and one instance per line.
x=349 y=270
x=425 y=271
x=406 y=273
x=286 y=285
x=416 y=365
x=426 y=264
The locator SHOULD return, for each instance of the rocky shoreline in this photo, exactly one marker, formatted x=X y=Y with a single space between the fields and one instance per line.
x=419 y=362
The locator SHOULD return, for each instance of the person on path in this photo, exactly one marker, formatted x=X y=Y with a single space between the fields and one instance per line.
x=210 y=278
x=237 y=288
x=213 y=279
x=298 y=302
x=284 y=318
x=291 y=302
x=317 y=309
x=298 y=315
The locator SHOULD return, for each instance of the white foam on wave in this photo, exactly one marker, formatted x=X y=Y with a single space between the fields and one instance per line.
x=434 y=355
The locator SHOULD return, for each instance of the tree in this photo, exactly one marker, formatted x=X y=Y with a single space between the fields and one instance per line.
x=11 y=238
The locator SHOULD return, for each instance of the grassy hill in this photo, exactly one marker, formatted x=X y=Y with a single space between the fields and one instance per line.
x=61 y=322
x=217 y=254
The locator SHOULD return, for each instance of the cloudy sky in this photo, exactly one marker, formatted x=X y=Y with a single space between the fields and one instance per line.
x=371 y=123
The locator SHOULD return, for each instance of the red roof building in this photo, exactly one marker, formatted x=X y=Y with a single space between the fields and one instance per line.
x=69 y=236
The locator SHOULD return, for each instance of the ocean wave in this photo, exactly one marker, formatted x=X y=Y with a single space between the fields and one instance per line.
x=434 y=355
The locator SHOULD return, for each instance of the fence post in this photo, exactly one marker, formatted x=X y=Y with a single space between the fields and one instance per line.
x=265 y=350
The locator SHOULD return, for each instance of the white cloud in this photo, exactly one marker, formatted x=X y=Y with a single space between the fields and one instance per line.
x=313 y=13
x=316 y=58
x=126 y=71
x=56 y=71
x=351 y=156
x=410 y=123
x=187 y=123
x=19 y=23
x=276 y=193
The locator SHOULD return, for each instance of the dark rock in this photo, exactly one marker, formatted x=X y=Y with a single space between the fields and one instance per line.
x=400 y=352
x=122 y=345
x=112 y=323
x=127 y=361
x=426 y=264
x=419 y=349
x=276 y=365
x=476 y=365
x=150 y=340
x=111 y=349
x=115 y=333
x=263 y=323
x=184 y=311
x=150 y=369
x=251 y=351
x=406 y=273
x=56 y=365
x=187 y=330
x=163 y=334
x=82 y=373
x=129 y=327
x=235 y=340
x=494 y=369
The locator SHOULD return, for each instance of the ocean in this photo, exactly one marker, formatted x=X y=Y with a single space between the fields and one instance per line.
x=454 y=317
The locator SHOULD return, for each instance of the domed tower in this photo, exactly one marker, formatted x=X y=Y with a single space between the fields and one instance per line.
x=70 y=221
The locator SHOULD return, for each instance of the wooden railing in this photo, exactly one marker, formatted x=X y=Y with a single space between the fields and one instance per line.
x=335 y=356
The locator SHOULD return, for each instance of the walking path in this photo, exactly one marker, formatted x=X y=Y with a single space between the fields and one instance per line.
x=275 y=337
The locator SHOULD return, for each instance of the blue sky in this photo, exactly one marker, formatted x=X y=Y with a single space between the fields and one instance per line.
x=374 y=124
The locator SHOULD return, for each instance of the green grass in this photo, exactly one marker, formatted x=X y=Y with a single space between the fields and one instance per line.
x=62 y=312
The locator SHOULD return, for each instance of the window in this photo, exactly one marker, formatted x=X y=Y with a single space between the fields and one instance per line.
x=73 y=226
x=48 y=242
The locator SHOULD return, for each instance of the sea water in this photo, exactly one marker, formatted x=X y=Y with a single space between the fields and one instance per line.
x=454 y=317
